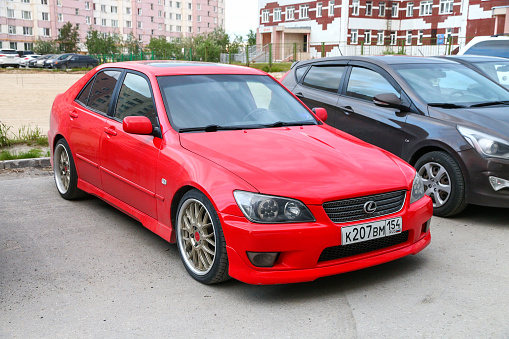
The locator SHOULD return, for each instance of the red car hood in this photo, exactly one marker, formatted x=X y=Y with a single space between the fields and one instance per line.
x=309 y=163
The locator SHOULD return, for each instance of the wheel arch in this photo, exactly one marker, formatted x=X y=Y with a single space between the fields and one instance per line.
x=176 y=200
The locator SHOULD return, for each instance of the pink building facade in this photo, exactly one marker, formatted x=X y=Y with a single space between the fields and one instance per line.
x=22 y=22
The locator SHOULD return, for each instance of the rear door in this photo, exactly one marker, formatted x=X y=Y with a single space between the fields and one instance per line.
x=129 y=166
x=359 y=116
x=319 y=87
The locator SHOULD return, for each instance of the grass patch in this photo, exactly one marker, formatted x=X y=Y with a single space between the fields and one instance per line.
x=4 y=138
x=31 y=135
x=279 y=67
x=33 y=153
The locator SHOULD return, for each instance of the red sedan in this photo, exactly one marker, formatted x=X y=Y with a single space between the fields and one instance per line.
x=227 y=163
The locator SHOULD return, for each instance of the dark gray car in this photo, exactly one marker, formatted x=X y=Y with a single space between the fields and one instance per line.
x=447 y=120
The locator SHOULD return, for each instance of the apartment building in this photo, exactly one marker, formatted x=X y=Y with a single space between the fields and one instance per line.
x=22 y=22
x=373 y=22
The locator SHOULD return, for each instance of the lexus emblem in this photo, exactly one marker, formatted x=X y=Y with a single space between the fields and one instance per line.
x=370 y=207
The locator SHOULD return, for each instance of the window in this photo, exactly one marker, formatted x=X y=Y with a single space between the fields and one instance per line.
x=44 y=2
x=160 y=14
x=331 y=8
x=446 y=6
x=354 y=36
x=190 y=29
x=13 y=45
x=140 y=24
x=114 y=9
x=179 y=28
x=11 y=29
x=189 y=6
x=45 y=32
x=151 y=7
x=304 y=12
x=395 y=9
x=103 y=22
x=101 y=91
x=178 y=17
x=380 y=38
x=277 y=14
x=77 y=11
x=114 y=23
x=24 y=1
x=103 y=8
x=410 y=9
x=128 y=10
x=59 y=3
x=365 y=84
x=87 y=20
x=177 y=4
x=426 y=7
x=140 y=11
x=319 y=10
x=10 y=13
x=290 y=13
x=189 y=18
x=420 y=34
x=198 y=7
x=160 y=27
x=394 y=38
x=355 y=7
x=265 y=16
x=29 y=46
x=151 y=19
x=448 y=35
x=199 y=18
x=381 y=9
x=369 y=8
x=60 y=17
x=27 y=15
x=87 y=5
x=45 y=16
x=367 y=37
x=324 y=78
x=128 y=24
x=409 y=37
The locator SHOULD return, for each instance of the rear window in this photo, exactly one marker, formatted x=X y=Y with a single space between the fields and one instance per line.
x=8 y=52
x=326 y=78
x=498 y=48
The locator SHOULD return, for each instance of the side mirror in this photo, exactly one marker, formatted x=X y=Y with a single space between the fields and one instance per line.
x=137 y=125
x=321 y=113
x=390 y=100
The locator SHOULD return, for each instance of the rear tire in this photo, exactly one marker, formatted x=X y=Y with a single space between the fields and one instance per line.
x=200 y=239
x=66 y=177
x=443 y=182
x=63 y=68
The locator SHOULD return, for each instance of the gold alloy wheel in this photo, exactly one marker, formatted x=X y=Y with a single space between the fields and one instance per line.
x=196 y=237
x=62 y=169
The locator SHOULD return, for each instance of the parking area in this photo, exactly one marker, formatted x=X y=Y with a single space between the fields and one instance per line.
x=84 y=269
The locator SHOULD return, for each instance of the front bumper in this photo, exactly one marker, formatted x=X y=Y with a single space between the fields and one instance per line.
x=300 y=245
x=479 y=189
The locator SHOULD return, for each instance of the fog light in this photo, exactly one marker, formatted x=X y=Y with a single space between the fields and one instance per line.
x=498 y=183
x=262 y=259
x=425 y=226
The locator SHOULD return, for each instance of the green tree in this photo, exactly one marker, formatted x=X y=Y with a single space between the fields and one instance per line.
x=251 y=38
x=68 y=38
x=101 y=43
x=236 y=45
x=132 y=44
x=45 y=46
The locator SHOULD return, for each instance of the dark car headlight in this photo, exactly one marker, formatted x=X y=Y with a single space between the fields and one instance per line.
x=487 y=145
x=417 y=189
x=268 y=209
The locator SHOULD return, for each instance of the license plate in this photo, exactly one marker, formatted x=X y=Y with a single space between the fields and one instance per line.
x=372 y=230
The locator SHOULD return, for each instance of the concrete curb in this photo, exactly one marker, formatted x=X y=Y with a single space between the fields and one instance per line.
x=20 y=163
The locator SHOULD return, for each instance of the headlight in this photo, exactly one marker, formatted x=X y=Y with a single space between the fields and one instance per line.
x=485 y=144
x=417 y=189
x=268 y=209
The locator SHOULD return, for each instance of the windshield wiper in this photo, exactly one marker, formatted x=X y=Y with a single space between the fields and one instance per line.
x=490 y=103
x=445 y=105
x=295 y=123
x=211 y=128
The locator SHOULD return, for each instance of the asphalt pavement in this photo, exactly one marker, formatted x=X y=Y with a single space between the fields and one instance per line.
x=83 y=269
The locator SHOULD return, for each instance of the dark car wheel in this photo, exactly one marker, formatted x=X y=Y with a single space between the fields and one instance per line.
x=443 y=182
x=63 y=67
x=200 y=239
x=89 y=66
x=66 y=177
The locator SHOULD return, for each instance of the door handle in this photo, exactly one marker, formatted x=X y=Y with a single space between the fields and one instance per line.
x=347 y=109
x=73 y=114
x=299 y=95
x=110 y=131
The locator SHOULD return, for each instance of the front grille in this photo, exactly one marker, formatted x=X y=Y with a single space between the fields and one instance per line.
x=353 y=209
x=339 y=252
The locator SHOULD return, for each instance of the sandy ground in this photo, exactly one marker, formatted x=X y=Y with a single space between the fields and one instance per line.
x=26 y=98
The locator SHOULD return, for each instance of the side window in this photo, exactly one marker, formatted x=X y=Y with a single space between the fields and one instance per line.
x=135 y=99
x=102 y=90
x=326 y=78
x=83 y=97
x=491 y=48
x=299 y=73
x=365 y=84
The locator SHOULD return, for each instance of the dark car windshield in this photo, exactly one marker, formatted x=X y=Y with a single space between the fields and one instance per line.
x=497 y=70
x=219 y=101
x=451 y=84
x=496 y=47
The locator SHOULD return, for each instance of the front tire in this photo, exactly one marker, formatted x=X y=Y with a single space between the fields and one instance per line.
x=200 y=239
x=66 y=177
x=443 y=182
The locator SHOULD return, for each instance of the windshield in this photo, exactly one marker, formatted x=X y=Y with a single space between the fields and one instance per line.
x=496 y=70
x=229 y=102
x=451 y=83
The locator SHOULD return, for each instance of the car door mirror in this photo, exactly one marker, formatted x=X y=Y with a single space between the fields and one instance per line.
x=321 y=113
x=137 y=125
x=390 y=100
